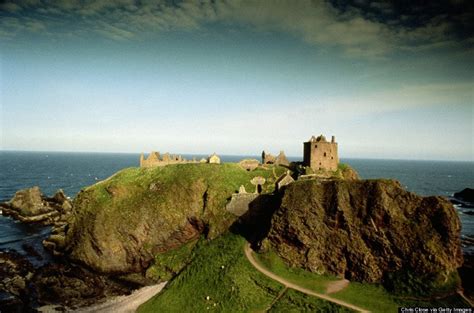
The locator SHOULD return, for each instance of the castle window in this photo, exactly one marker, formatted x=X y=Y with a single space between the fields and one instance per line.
x=332 y=158
x=315 y=146
x=324 y=153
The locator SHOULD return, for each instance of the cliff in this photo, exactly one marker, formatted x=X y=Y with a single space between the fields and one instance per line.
x=369 y=231
x=122 y=223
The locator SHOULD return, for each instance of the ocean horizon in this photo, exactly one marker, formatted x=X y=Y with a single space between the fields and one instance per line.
x=72 y=171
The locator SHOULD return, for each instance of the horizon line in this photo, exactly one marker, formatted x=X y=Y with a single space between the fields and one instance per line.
x=202 y=154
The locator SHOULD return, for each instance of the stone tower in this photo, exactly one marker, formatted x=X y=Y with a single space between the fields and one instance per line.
x=319 y=154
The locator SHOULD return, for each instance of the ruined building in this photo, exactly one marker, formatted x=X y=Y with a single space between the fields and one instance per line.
x=319 y=154
x=280 y=159
x=155 y=159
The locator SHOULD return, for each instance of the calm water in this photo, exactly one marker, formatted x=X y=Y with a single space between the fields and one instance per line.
x=73 y=171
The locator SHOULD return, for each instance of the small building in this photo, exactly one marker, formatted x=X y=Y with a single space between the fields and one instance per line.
x=283 y=180
x=319 y=154
x=214 y=159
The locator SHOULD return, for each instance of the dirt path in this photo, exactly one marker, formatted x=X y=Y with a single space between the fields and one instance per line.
x=284 y=282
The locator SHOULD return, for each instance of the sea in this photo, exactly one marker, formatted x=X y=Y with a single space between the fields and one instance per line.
x=72 y=171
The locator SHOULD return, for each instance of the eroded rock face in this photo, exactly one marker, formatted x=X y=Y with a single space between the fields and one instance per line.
x=123 y=240
x=369 y=231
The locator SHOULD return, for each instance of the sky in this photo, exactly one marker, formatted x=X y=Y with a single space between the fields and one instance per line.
x=390 y=79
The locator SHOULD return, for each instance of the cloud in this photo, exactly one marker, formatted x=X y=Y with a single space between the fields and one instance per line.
x=360 y=30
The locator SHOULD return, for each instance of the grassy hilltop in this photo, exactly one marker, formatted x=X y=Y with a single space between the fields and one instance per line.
x=170 y=223
x=123 y=222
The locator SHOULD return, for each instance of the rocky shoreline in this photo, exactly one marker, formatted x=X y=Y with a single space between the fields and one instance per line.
x=60 y=283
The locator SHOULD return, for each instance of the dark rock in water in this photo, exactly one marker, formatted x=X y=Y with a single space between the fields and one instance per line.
x=31 y=206
x=369 y=231
x=15 y=273
x=31 y=251
x=466 y=194
x=62 y=284
x=73 y=286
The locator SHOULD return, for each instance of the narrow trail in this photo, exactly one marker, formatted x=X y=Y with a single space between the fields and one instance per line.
x=287 y=284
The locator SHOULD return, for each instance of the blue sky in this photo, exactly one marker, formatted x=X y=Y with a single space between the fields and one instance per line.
x=237 y=77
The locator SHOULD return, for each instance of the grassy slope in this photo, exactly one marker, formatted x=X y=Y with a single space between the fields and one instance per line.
x=219 y=270
x=151 y=203
x=370 y=296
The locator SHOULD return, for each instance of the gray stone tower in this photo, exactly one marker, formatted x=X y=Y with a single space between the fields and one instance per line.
x=319 y=154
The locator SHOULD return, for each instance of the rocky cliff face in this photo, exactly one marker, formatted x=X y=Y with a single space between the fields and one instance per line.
x=370 y=231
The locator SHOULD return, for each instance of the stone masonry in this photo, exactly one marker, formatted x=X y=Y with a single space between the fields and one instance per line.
x=319 y=154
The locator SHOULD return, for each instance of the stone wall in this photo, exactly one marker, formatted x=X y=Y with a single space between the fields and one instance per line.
x=154 y=159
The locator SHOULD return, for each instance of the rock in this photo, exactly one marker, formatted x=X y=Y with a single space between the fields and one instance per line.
x=72 y=286
x=15 y=273
x=368 y=231
x=466 y=194
x=29 y=202
x=31 y=206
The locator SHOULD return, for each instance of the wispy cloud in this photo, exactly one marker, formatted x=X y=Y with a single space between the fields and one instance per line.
x=315 y=22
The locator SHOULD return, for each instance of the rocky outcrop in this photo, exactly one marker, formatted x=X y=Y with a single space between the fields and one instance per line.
x=31 y=206
x=15 y=273
x=467 y=194
x=369 y=231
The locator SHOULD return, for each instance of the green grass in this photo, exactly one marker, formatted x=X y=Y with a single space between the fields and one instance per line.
x=219 y=270
x=152 y=203
x=275 y=264
x=168 y=264
x=370 y=296
x=294 y=301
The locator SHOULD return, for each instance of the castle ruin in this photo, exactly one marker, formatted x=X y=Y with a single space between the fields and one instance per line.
x=280 y=159
x=155 y=159
x=319 y=154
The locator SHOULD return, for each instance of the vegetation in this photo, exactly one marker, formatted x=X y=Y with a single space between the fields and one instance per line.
x=154 y=207
x=370 y=296
x=168 y=264
x=275 y=264
x=220 y=278
x=294 y=301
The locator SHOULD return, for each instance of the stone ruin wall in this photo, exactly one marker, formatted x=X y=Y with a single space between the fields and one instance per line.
x=154 y=159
